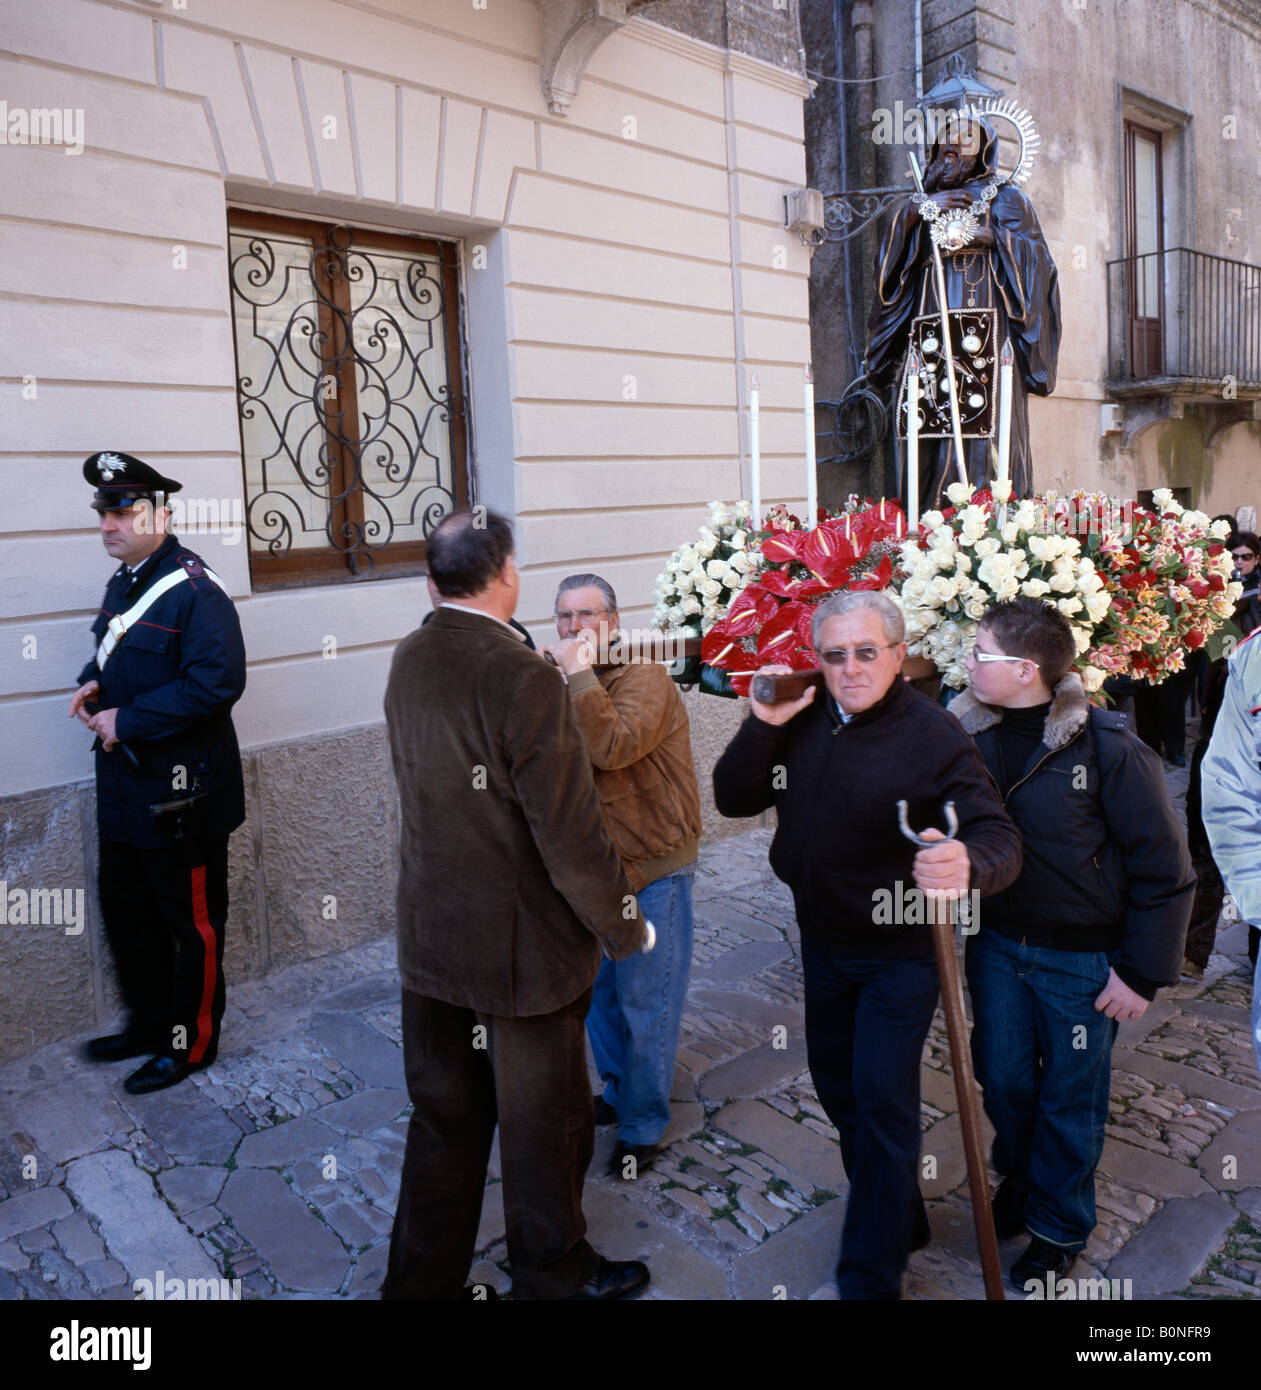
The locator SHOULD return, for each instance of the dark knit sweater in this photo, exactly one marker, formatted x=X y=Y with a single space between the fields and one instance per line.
x=836 y=789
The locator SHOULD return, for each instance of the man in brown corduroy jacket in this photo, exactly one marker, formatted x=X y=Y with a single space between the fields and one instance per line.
x=637 y=736
x=508 y=888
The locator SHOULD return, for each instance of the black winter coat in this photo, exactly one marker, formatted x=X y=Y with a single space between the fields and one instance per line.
x=1106 y=866
x=174 y=678
x=837 y=789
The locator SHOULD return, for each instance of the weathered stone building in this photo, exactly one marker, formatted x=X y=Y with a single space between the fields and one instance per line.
x=1146 y=188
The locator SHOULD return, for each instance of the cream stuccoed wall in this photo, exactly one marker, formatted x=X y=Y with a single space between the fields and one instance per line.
x=624 y=269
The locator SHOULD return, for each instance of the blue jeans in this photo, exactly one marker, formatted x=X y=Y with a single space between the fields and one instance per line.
x=866 y=1021
x=1043 y=1057
x=636 y=1011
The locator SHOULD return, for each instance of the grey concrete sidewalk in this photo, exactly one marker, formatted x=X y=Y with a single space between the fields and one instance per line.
x=279 y=1165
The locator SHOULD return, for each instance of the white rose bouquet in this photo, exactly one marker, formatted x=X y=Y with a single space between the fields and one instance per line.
x=702 y=577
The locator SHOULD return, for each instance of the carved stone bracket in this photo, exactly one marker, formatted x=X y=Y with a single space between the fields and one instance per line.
x=572 y=31
x=1217 y=414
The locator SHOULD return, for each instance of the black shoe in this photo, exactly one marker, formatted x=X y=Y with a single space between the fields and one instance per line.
x=645 y=1155
x=1009 y=1209
x=604 y=1112
x=117 y=1046
x=157 y=1074
x=614 y=1279
x=1040 y=1260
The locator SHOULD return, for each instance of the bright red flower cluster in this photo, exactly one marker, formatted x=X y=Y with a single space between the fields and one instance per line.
x=769 y=620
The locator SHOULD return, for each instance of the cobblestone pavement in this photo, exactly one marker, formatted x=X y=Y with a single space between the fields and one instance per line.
x=279 y=1166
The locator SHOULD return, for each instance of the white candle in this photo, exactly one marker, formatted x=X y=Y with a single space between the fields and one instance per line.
x=912 y=441
x=1004 y=413
x=755 y=456
x=812 y=481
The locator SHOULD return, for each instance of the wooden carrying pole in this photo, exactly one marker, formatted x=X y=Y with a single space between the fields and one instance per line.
x=965 y=1094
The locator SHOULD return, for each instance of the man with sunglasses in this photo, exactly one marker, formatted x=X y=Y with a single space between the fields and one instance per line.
x=1093 y=926
x=835 y=765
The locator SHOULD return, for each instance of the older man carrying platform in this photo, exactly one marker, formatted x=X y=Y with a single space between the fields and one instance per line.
x=835 y=768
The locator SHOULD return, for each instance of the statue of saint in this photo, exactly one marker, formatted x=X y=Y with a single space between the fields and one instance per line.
x=1001 y=284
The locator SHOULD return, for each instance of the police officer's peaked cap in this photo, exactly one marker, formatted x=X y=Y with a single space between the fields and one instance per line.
x=121 y=481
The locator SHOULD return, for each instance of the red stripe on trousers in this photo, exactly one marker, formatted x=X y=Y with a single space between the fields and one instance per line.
x=201 y=919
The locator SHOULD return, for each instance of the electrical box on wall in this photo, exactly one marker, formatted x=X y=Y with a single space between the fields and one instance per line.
x=1112 y=419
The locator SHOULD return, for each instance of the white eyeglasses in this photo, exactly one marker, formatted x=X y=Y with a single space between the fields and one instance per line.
x=993 y=656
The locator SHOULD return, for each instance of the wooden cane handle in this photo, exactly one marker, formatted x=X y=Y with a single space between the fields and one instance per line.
x=775 y=690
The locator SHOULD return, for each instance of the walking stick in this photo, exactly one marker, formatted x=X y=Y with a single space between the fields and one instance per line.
x=955 y=425
x=965 y=1081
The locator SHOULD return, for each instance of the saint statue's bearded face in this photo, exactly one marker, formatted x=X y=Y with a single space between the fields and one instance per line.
x=958 y=156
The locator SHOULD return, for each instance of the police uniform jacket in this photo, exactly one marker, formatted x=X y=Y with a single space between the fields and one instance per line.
x=174 y=678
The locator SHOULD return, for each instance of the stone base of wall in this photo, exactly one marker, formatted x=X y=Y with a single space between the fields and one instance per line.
x=312 y=871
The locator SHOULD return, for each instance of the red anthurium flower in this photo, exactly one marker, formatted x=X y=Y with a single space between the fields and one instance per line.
x=750 y=608
x=879 y=578
x=1195 y=638
x=781 y=547
x=778 y=638
x=1199 y=588
x=777 y=582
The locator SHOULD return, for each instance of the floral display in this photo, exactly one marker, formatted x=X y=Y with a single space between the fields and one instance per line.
x=769 y=620
x=701 y=578
x=1167 y=576
x=977 y=553
x=1140 y=588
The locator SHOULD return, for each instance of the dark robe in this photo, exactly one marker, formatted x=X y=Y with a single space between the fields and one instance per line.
x=1023 y=286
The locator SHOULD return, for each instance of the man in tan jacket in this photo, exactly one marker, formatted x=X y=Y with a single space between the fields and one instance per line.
x=508 y=888
x=636 y=731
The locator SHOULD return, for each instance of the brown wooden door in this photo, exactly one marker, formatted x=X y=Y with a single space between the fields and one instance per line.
x=1145 y=245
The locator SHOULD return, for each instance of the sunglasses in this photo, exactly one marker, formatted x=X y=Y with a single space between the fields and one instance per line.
x=1242 y=555
x=994 y=656
x=838 y=656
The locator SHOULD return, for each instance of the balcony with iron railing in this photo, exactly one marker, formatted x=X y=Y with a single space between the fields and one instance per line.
x=1186 y=325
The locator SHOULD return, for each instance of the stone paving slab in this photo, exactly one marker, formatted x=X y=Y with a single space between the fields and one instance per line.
x=801 y=1150
x=302 y=1251
x=1232 y=1162
x=142 y=1234
x=66 y=1121
x=719 y=912
x=365 y=1110
x=1174 y=1245
x=761 y=1014
x=800 y=1260
x=741 y=962
x=1150 y=1173
x=281 y=1144
x=765 y=1068
x=189 y=1188
x=1189 y=1079
x=360 y=1048
x=29 y=1210
x=190 y=1127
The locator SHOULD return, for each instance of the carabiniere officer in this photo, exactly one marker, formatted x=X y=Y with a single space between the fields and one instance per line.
x=158 y=694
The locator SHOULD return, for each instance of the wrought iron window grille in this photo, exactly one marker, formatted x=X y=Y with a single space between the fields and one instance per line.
x=349 y=393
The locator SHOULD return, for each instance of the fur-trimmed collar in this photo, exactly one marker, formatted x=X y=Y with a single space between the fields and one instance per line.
x=1068 y=713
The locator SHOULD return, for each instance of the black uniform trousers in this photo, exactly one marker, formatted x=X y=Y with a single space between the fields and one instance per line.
x=165 y=911
x=529 y=1075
